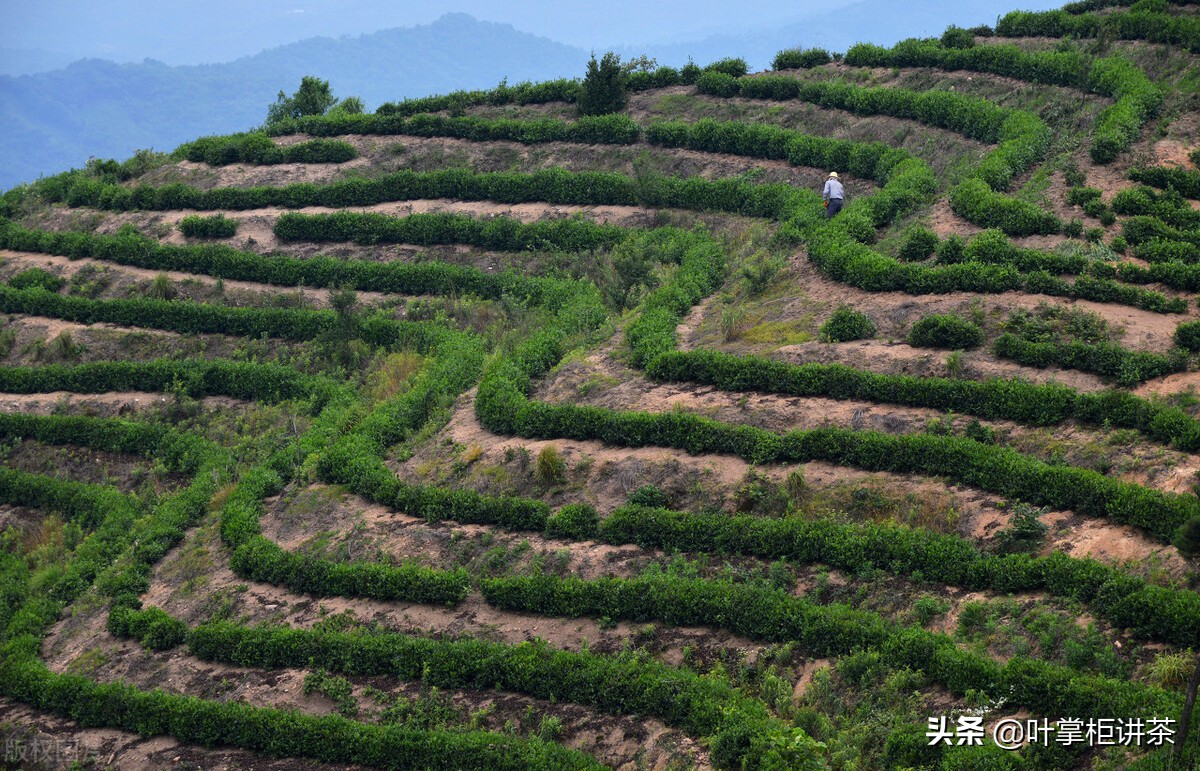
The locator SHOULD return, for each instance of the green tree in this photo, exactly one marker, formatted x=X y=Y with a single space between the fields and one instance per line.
x=351 y=105
x=603 y=90
x=314 y=97
x=957 y=37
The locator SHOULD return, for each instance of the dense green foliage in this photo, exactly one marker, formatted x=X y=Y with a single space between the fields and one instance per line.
x=257 y=148
x=241 y=380
x=272 y=732
x=601 y=129
x=1022 y=137
x=945 y=330
x=1137 y=98
x=191 y=317
x=1184 y=181
x=1153 y=611
x=602 y=91
x=563 y=90
x=772 y=614
x=128 y=247
x=314 y=97
x=1167 y=207
x=1136 y=24
x=919 y=243
x=618 y=684
x=216 y=226
x=800 y=59
x=846 y=324
x=1107 y=359
x=973 y=200
x=37 y=277
x=550 y=185
x=1016 y=400
x=500 y=233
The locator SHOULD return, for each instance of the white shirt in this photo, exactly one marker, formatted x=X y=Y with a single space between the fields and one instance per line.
x=834 y=189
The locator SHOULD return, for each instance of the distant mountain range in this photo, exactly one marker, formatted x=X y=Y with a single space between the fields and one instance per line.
x=58 y=119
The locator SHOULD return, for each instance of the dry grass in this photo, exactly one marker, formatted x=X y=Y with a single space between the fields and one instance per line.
x=389 y=374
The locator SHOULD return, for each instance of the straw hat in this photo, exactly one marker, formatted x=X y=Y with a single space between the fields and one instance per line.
x=833 y=174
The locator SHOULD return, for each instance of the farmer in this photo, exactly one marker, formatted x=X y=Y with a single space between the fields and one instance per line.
x=834 y=195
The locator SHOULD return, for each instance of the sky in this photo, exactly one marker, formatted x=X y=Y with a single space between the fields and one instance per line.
x=196 y=33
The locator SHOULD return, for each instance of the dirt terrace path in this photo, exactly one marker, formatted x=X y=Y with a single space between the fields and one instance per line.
x=66 y=267
x=620 y=741
x=601 y=381
x=113 y=750
x=419 y=153
x=108 y=342
x=106 y=404
x=981 y=514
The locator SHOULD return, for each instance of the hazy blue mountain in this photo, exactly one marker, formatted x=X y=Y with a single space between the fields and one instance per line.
x=56 y=120
x=202 y=33
x=24 y=61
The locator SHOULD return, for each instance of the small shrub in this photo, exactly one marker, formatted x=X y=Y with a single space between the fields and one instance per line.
x=760 y=271
x=953 y=249
x=1082 y=196
x=847 y=324
x=945 y=330
x=549 y=729
x=1094 y=235
x=36 y=277
x=1096 y=208
x=650 y=495
x=337 y=689
x=957 y=37
x=801 y=59
x=1073 y=176
x=796 y=484
x=62 y=348
x=1025 y=533
x=927 y=608
x=1073 y=228
x=718 y=84
x=735 y=67
x=8 y=339
x=550 y=468
x=1171 y=671
x=577 y=522
x=732 y=317
x=979 y=432
x=918 y=244
x=216 y=226
x=1119 y=244
x=954 y=365
x=162 y=288
x=759 y=494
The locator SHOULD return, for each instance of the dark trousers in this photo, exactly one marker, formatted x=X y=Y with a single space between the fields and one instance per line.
x=835 y=206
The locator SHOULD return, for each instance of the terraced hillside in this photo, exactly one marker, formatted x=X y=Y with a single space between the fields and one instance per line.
x=476 y=434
